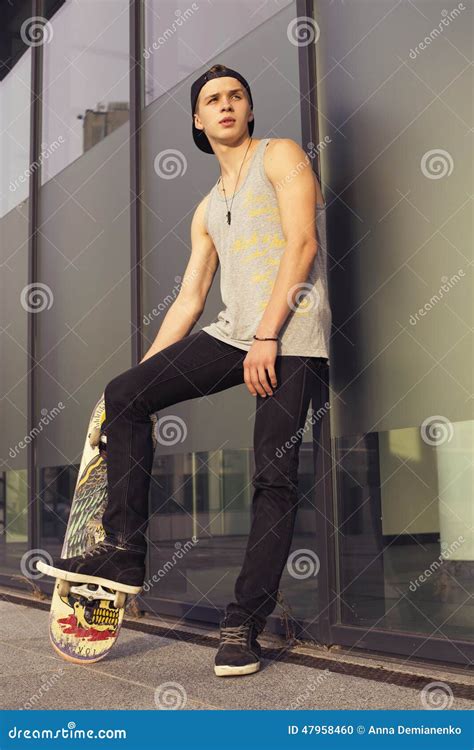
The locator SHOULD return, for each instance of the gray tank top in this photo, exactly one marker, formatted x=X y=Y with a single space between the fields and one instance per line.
x=249 y=251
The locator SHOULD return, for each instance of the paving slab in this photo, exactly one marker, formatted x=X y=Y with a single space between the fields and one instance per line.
x=146 y=671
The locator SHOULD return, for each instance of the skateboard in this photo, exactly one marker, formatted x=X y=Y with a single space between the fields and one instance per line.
x=85 y=618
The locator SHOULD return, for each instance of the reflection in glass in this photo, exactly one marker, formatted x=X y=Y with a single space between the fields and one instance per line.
x=56 y=489
x=86 y=90
x=200 y=508
x=405 y=530
x=13 y=522
x=15 y=134
x=181 y=36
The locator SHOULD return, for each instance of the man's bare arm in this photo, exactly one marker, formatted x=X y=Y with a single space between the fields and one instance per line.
x=197 y=280
x=289 y=170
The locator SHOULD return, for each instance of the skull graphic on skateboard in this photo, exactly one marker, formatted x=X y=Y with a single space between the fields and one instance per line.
x=85 y=618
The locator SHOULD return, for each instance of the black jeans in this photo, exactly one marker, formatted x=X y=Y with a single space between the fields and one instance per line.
x=197 y=365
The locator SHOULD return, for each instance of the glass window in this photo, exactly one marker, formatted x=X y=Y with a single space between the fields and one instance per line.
x=399 y=229
x=14 y=438
x=85 y=86
x=204 y=488
x=182 y=36
x=15 y=93
x=15 y=134
x=200 y=514
x=84 y=241
x=14 y=527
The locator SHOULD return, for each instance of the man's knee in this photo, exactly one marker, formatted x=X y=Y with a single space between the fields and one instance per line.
x=120 y=390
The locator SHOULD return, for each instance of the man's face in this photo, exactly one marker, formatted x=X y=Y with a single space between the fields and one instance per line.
x=222 y=98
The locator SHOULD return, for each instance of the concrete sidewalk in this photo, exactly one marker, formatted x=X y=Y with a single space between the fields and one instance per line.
x=138 y=673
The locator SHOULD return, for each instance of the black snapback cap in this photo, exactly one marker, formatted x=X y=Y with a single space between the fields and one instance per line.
x=200 y=138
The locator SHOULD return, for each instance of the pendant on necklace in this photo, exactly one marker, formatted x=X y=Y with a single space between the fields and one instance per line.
x=228 y=217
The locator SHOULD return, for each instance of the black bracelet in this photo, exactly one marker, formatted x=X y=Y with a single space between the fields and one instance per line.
x=265 y=339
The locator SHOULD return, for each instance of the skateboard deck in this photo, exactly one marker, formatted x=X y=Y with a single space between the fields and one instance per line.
x=85 y=619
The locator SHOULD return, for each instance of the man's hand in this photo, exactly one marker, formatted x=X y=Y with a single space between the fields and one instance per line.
x=259 y=361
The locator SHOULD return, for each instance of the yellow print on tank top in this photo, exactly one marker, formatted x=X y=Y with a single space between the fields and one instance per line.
x=260 y=241
x=260 y=244
x=260 y=205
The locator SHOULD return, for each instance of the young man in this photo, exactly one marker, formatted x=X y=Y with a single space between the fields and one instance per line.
x=258 y=221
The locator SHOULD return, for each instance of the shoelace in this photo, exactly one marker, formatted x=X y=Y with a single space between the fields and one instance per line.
x=97 y=549
x=236 y=634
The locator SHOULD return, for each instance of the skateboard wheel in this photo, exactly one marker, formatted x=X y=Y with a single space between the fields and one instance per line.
x=63 y=588
x=119 y=600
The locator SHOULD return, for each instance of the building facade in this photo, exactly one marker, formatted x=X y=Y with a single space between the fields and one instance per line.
x=99 y=181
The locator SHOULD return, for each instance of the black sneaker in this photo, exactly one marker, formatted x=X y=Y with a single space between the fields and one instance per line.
x=239 y=651
x=104 y=564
